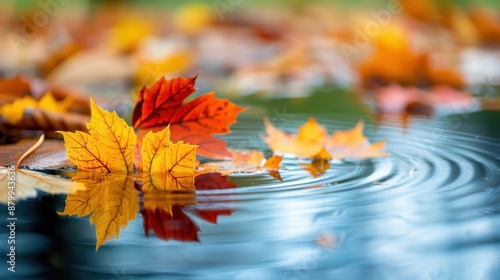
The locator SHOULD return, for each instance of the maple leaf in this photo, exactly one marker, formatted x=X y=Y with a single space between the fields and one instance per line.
x=29 y=183
x=110 y=199
x=21 y=86
x=14 y=111
x=108 y=147
x=167 y=166
x=313 y=141
x=168 y=181
x=195 y=121
x=159 y=154
x=307 y=143
x=381 y=69
x=244 y=161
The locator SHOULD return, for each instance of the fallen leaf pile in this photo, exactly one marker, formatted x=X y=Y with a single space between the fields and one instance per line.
x=28 y=104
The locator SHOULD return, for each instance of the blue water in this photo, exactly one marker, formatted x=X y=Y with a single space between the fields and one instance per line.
x=431 y=210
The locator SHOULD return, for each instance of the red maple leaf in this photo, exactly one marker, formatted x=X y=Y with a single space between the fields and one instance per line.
x=194 y=122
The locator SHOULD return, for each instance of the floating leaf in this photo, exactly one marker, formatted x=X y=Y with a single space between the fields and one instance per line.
x=28 y=184
x=162 y=105
x=159 y=154
x=108 y=147
x=307 y=143
x=313 y=142
x=168 y=181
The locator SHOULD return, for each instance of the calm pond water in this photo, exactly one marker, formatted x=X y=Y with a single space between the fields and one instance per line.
x=429 y=211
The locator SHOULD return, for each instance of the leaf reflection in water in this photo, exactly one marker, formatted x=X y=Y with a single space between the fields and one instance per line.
x=109 y=199
x=113 y=200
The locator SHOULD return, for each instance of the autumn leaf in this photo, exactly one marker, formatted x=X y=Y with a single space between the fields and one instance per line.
x=252 y=157
x=13 y=112
x=28 y=184
x=50 y=155
x=381 y=69
x=195 y=121
x=127 y=34
x=110 y=199
x=242 y=164
x=317 y=167
x=313 y=141
x=168 y=181
x=167 y=166
x=159 y=154
x=108 y=147
x=307 y=143
x=20 y=86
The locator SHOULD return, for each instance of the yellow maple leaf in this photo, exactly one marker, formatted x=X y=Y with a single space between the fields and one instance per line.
x=159 y=154
x=313 y=141
x=167 y=166
x=168 y=181
x=108 y=147
x=110 y=199
x=13 y=112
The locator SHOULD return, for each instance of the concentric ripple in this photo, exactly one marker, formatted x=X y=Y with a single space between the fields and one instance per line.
x=428 y=158
x=431 y=210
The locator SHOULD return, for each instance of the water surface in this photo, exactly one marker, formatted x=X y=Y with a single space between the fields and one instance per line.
x=429 y=211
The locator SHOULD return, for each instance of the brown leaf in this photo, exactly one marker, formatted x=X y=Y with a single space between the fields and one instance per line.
x=51 y=154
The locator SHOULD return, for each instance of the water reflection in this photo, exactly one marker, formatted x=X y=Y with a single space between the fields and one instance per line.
x=112 y=201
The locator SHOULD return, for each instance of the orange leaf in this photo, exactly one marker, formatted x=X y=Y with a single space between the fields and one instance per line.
x=353 y=144
x=313 y=141
x=14 y=111
x=273 y=162
x=307 y=143
x=244 y=162
x=162 y=104
x=30 y=183
x=317 y=167
x=108 y=147
x=252 y=157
